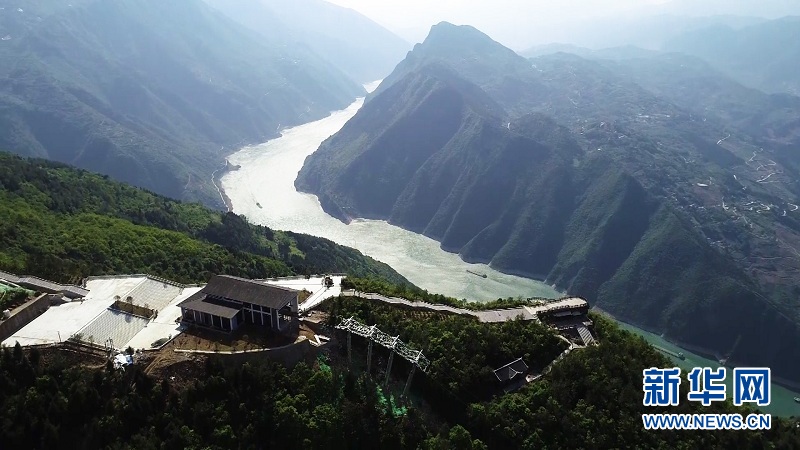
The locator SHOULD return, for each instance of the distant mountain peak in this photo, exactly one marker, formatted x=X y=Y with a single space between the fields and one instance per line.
x=469 y=52
x=447 y=36
x=447 y=27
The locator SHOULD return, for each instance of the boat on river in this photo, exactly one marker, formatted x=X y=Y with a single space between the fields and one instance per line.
x=482 y=275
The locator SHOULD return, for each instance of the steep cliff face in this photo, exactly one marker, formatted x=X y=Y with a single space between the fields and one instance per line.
x=372 y=159
x=571 y=171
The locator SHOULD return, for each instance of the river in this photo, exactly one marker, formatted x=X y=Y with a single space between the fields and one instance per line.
x=263 y=191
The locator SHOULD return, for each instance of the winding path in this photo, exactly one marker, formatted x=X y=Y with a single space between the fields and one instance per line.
x=486 y=316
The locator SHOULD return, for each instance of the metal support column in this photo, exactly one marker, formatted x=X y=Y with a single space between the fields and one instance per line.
x=408 y=383
x=349 y=349
x=369 y=356
x=389 y=368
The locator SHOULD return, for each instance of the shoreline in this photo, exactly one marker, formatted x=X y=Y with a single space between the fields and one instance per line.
x=699 y=351
x=216 y=180
x=345 y=218
x=217 y=174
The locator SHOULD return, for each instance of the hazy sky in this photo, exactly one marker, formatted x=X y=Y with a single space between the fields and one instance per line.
x=519 y=23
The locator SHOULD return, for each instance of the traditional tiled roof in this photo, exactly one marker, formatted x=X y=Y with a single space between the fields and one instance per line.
x=511 y=370
x=202 y=303
x=242 y=290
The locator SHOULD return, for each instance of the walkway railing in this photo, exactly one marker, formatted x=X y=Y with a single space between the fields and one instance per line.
x=527 y=313
x=393 y=343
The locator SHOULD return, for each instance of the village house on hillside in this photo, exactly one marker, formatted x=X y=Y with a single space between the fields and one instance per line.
x=228 y=302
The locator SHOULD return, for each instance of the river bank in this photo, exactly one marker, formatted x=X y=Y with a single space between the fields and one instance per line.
x=704 y=353
x=216 y=180
x=273 y=201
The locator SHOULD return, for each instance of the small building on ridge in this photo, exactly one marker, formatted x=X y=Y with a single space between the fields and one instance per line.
x=511 y=370
x=512 y=376
x=228 y=302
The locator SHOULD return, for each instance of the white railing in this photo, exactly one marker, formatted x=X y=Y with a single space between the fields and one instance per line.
x=586 y=335
x=391 y=342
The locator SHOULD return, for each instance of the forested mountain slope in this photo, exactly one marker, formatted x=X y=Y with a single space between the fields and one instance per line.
x=153 y=93
x=64 y=224
x=570 y=170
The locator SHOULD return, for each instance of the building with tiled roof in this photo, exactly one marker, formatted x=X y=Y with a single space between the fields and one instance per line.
x=512 y=370
x=228 y=302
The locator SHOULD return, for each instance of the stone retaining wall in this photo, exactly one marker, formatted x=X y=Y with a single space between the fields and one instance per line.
x=288 y=355
x=24 y=315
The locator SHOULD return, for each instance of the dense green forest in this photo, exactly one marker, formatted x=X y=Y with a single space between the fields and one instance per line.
x=591 y=399
x=63 y=223
x=462 y=351
x=246 y=406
